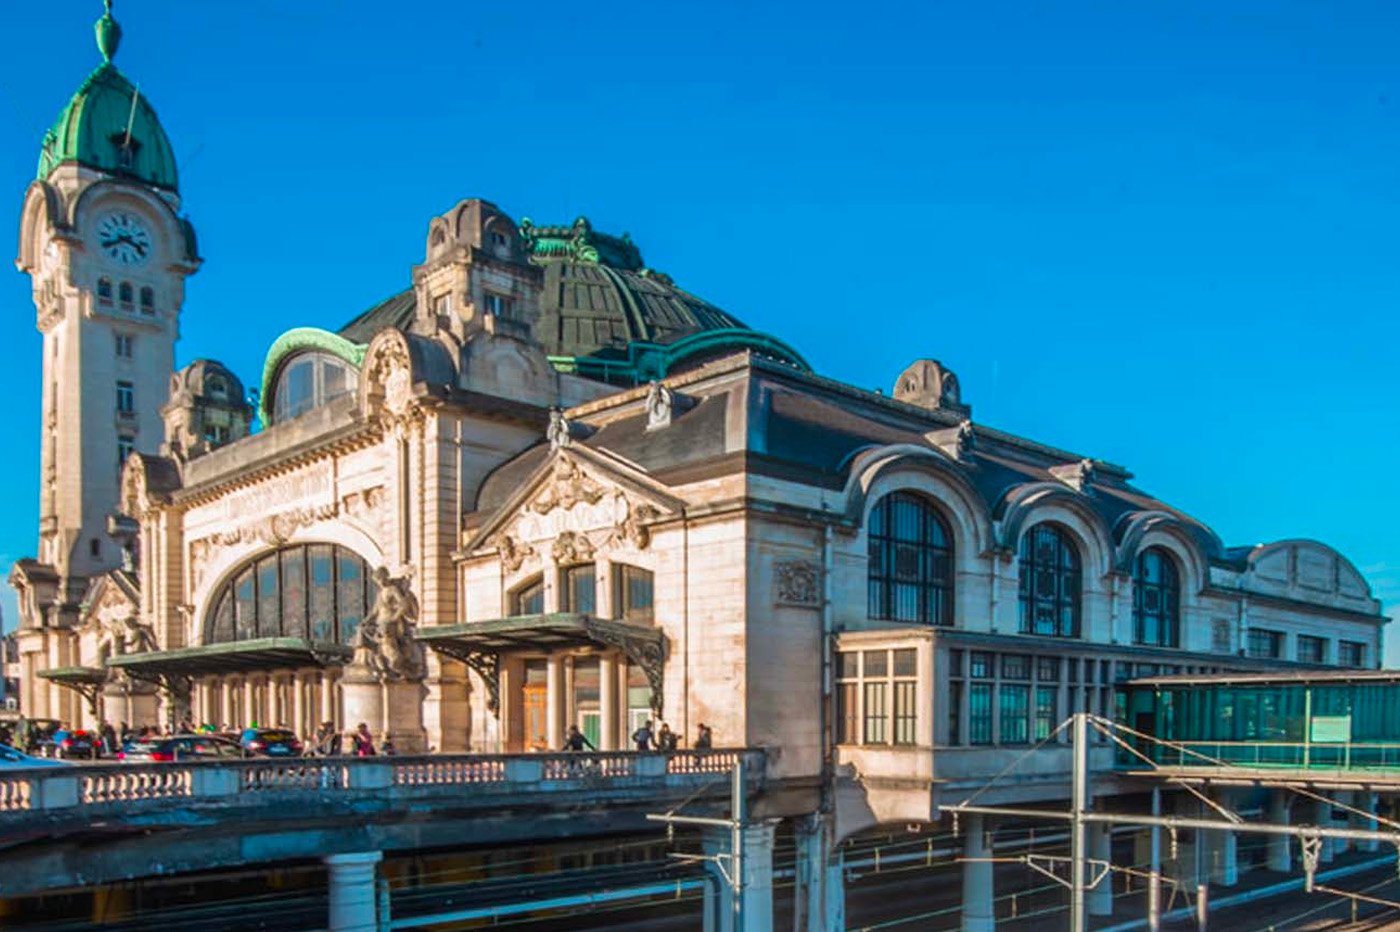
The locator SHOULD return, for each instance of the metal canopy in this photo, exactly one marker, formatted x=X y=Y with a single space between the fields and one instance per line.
x=250 y=656
x=85 y=681
x=480 y=644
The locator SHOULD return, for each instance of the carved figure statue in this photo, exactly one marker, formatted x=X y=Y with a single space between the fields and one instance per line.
x=123 y=633
x=384 y=642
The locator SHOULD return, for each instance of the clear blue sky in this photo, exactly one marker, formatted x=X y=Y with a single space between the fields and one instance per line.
x=1162 y=234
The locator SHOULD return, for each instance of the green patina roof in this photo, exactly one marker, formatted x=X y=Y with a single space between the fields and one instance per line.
x=299 y=340
x=92 y=130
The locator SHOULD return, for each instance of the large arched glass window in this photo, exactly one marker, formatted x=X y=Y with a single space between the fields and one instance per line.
x=316 y=592
x=1156 y=599
x=309 y=381
x=911 y=561
x=1051 y=583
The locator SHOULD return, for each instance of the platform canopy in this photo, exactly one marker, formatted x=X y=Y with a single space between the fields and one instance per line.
x=254 y=656
x=480 y=644
x=85 y=681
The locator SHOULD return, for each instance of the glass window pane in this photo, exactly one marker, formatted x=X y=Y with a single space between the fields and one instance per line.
x=848 y=664
x=905 y=712
x=349 y=595
x=909 y=558
x=269 y=599
x=876 y=662
x=979 y=713
x=876 y=713
x=247 y=606
x=294 y=592
x=906 y=663
x=322 y=595
x=1015 y=706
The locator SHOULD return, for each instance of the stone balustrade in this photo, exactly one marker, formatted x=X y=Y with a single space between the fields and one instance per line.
x=103 y=787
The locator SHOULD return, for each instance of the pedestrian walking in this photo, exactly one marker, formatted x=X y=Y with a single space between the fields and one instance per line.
x=643 y=737
x=666 y=739
x=576 y=740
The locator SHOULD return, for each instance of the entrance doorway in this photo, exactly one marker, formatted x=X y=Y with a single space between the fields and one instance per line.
x=536 y=707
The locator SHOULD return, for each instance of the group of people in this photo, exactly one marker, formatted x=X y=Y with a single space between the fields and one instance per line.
x=644 y=738
x=331 y=743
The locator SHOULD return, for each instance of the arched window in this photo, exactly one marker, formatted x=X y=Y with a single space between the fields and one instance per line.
x=148 y=300
x=309 y=381
x=1156 y=599
x=125 y=295
x=1051 y=583
x=316 y=592
x=528 y=599
x=104 y=292
x=911 y=561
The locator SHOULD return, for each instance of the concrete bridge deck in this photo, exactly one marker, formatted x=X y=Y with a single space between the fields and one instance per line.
x=92 y=824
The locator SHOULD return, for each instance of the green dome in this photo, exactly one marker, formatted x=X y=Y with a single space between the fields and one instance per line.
x=92 y=129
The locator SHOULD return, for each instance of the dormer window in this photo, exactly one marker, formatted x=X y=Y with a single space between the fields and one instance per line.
x=216 y=389
x=499 y=239
x=309 y=381
x=126 y=296
x=104 y=292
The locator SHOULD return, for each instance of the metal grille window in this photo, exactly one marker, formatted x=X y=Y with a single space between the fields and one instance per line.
x=316 y=592
x=1156 y=599
x=1311 y=649
x=1265 y=644
x=979 y=713
x=1046 y=713
x=877 y=697
x=911 y=573
x=1351 y=654
x=1015 y=712
x=1051 y=583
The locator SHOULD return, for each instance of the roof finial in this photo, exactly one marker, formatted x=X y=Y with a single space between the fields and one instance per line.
x=109 y=34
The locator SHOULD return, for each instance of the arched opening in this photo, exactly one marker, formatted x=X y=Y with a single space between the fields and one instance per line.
x=310 y=380
x=313 y=592
x=1156 y=599
x=1052 y=583
x=910 y=576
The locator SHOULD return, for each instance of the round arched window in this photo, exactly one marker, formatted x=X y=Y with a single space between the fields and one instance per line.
x=1051 y=583
x=1156 y=599
x=315 y=592
x=911 y=561
x=308 y=381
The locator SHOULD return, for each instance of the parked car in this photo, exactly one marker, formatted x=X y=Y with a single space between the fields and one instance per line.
x=179 y=747
x=77 y=743
x=270 y=742
x=10 y=758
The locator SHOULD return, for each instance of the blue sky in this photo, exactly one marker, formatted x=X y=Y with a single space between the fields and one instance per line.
x=1161 y=234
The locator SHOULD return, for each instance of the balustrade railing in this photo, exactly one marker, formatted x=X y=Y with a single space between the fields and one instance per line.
x=105 y=785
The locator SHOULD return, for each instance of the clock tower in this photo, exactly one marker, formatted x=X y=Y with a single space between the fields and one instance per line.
x=107 y=250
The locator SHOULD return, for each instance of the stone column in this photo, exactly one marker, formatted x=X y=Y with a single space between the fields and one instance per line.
x=819 y=895
x=1099 y=898
x=249 y=709
x=978 y=910
x=554 y=702
x=225 y=704
x=1280 y=856
x=607 y=703
x=351 y=891
x=299 y=707
x=756 y=897
x=327 y=696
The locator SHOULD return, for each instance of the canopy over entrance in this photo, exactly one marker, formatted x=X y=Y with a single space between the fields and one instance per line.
x=85 y=681
x=480 y=644
x=258 y=655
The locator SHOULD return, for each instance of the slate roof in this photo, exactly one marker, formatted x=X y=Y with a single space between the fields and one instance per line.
x=395 y=311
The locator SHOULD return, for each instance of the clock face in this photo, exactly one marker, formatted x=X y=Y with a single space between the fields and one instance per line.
x=123 y=238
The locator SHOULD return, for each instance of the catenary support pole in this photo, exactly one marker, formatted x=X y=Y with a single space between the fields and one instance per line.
x=977 y=898
x=1154 y=876
x=1078 y=920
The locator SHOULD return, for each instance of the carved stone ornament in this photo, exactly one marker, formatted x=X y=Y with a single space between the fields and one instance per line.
x=567 y=487
x=513 y=552
x=388 y=374
x=797 y=582
x=572 y=547
x=384 y=645
x=273 y=529
x=660 y=406
x=1078 y=475
x=967 y=438
x=633 y=529
x=558 y=431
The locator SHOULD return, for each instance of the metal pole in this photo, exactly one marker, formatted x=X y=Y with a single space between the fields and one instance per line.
x=1202 y=908
x=1154 y=876
x=1307 y=726
x=1077 y=915
x=736 y=843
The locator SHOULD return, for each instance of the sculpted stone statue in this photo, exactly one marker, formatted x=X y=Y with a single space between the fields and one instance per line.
x=123 y=633
x=384 y=642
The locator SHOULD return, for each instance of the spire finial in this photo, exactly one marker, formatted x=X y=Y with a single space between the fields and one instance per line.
x=109 y=33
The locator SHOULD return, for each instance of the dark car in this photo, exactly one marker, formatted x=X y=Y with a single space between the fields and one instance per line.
x=270 y=742
x=179 y=747
x=77 y=743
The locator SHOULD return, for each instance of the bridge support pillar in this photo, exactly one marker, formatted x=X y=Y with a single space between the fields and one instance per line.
x=978 y=913
x=1100 y=898
x=350 y=878
x=1280 y=855
x=756 y=889
x=819 y=896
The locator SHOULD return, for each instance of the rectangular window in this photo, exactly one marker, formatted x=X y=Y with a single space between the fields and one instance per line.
x=632 y=594
x=955 y=713
x=498 y=305
x=979 y=713
x=847 y=709
x=906 y=662
x=1265 y=644
x=578 y=590
x=905 y=711
x=1311 y=649
x=1045 y=713
x=955 y=663
x=1351 y=654
x=1015 y=704
x=876 y=663
x=124 y=342
x=980 y=665
x=1015 y=667
x=876 y=697
x=126 y=398
x=125 y=446
x=1047 y=669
